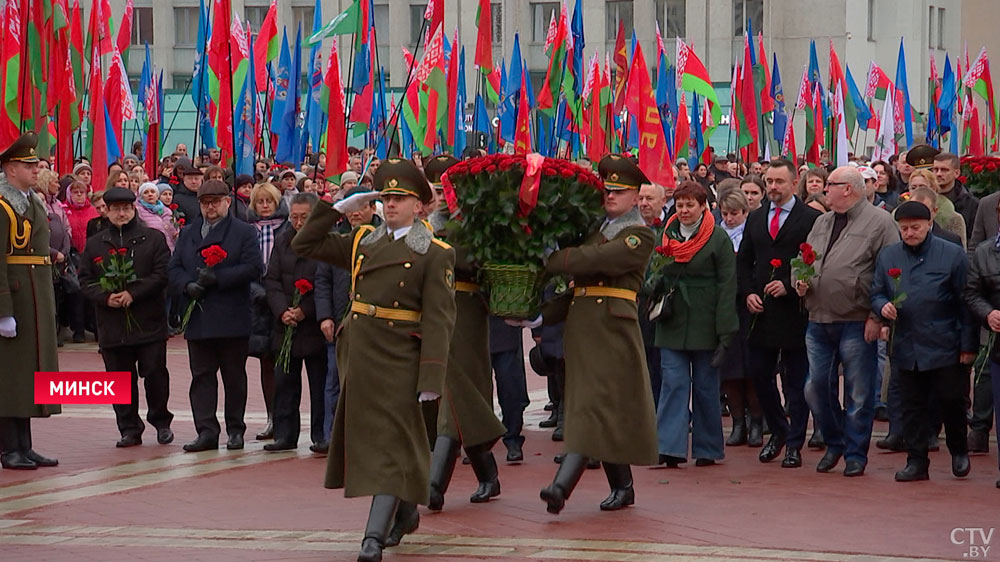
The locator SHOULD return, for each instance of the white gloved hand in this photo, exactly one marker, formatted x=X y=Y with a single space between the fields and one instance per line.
x=355 y=202
x=426 y=396
x=8 y=327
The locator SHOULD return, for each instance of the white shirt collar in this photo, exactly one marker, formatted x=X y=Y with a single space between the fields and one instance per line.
x=399 y=232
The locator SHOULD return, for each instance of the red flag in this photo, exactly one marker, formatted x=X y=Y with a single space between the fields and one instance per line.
x=522 y=134
x=435 y=16
x=683 y=133
x=99 y=152
x=221 y=63
x=766 y=101
x=654 y=158
x=10 y=53
x=452 y=91
x=264 y=47
x=125 y=31
x=621 y=67
x=789 y=150
x=484 y=41
x=597 y=145
x=336 y=133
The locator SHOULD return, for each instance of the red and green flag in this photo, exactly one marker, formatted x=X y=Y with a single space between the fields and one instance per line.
x=125 y=31
x=10 y=54
x=484 y=39
x=267 y=45
x=692 y=76
x=548 y=97
x=978 y=78
x=336 y=131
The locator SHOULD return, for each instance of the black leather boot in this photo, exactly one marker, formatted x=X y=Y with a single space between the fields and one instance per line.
x=11 y=456
x=915 y=470
x=738 y=435
x=485 y=467
x=622 y=493
x=380 y=516
x=552 y=420
x=24 y=433
x=268 y=432
x=407 y=520
x=557 y=435
x=443 y=459
x=567 y=477
x=755 y=435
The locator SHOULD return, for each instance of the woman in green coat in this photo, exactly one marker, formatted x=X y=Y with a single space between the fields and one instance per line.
x=700 y=283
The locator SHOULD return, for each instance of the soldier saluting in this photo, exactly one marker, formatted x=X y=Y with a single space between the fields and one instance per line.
x=27 y=305
x=609 y=408
x=392 y=351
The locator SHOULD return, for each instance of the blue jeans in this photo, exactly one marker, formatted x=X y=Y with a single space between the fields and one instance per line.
x=883 y=356
x=331 y=390
x=686 y=374
x=846 y=429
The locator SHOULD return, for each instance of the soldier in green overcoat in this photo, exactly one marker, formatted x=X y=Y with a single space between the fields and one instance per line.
x=392 y=351
x=466 y=415
x=27 y=305
x=609 y=409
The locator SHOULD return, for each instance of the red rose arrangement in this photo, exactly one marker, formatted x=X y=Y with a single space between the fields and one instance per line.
x=803 y=265
x=302 y=288
x=980 y=174
x=177 y=214
x=213 y=256
x=116 y=273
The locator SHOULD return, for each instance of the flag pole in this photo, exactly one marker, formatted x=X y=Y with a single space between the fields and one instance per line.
x=350 y=88
x=381 y=86
x=24 y=64
x=177 y=110
x=232 y=126
x=394 y=118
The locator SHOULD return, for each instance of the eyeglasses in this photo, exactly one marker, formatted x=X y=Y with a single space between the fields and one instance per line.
x=211 y=202
x=836 y=183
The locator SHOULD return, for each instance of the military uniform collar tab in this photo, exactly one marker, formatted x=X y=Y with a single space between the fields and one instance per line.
x=14 y=197
x=417 y=239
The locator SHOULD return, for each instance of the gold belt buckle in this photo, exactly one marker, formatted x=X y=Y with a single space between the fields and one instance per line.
x=372 y=309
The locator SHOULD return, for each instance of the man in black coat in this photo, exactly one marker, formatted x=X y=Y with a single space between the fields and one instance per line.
x=218 y=333
x=186 y=192
x=947 y=168
x=775 y=231
x=132 y=324
x=285 y=269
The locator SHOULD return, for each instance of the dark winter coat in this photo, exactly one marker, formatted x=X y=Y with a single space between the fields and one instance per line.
x=283 y=270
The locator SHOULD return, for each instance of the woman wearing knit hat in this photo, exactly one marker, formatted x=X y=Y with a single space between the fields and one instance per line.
x=154 y=214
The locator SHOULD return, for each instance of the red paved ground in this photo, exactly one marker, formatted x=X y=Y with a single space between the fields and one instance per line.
x=280 y=504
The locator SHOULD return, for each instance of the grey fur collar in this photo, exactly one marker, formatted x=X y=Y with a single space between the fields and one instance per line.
x=417 y=239
x=13 y=196
x=631 y=218
x=438 y=220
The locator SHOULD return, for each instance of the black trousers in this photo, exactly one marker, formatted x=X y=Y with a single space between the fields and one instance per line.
x=227 y=356
x=982 y=402
x=288 y=397
x=655 y=375
x=763 y=363
x=512 y=391
x=946 y=387
x=148 y=361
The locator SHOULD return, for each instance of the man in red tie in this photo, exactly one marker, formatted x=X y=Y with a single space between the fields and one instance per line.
x=774 y=232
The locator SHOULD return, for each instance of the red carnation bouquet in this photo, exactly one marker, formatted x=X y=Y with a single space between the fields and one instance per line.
x=803 y=265
x=116 y=273
x=302 y=288
x=213 y=256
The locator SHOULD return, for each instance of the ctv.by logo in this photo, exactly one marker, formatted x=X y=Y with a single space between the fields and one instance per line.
x=975 y=539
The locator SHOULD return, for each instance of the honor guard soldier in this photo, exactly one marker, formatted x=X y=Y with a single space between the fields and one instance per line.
x=27 y=305
x=609 y=408
x=466 y=415
x=392 y=351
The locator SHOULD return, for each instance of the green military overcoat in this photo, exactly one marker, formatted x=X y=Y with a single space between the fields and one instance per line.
x=379 y=442
x=466 y=412
x=26 y=294
x=609 y=407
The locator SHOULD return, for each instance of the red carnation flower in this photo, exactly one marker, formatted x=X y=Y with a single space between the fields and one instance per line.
x=173 y=206
x=491 y=168
x=895 y=272
x=98 y=259
x=303 y=286
x=213 y=255
x=775 y=263
x=805 y=247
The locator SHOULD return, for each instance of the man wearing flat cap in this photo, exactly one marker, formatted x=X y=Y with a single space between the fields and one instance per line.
x=466 y=415
x=218 y=334
x=186 y=192
x=27 y=305
x=132 y=324
x=933 y=335
x=606 y=375
x=403 y=299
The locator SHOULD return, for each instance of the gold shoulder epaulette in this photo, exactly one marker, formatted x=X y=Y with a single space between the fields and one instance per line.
x=441 y=243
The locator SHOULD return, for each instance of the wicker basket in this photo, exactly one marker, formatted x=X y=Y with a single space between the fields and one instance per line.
x=514 y=290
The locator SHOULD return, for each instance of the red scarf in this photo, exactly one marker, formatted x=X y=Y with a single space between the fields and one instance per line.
x=683 y=251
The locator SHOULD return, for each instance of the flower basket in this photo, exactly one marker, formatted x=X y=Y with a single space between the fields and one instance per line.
x=508 y=210
x=981 y=174
x=514 y=290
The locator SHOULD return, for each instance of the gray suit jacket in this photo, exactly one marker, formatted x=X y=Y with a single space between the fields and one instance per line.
x=985 y=226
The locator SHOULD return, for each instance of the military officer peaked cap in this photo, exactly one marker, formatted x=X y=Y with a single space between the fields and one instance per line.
x=396 y=176
x=21 y=150
x=921 y=156
x=620 y=172
x=436 y=167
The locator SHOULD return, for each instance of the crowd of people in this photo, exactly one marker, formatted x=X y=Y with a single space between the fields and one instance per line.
x=880 y=276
